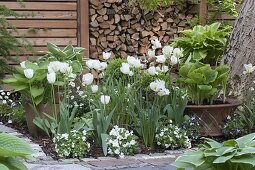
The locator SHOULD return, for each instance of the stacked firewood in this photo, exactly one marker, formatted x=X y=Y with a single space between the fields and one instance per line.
x=124 y=30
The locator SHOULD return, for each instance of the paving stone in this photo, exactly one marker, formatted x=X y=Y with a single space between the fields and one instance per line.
x=116 y=162
x=56 y=167
x=6 y=129
x=161 y=161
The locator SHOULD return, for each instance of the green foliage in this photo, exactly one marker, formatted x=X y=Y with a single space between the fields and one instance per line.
x=5 y=111
x=146 y=114
x=18 y=116
x=232 y=154
x=202 y=82
x=203 y=43
x=152 y=5
x=58 y=124
x=175 y=106
x=8 y=43
x=224 y=5
x=113 y=70
x=11 y=147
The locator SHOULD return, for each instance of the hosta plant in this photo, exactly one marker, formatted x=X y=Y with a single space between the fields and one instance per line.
x=203 y=83
x=12 y=147
x=121 y=142
x=203 y=43
x=233 y=154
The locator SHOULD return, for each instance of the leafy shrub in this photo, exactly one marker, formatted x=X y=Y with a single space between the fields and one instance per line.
x=18 y=116
x=113 y=70
x=10 y=148
x=203 y=43
x=172 y=137
x=231 y=154
x=5 y=112
x=202 y=82
x=73 y=145
x=121 y=142
x=234 y=126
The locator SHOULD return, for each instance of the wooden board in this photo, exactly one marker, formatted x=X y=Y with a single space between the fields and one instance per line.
x=44 y=23
x=42 y=6
x=46 y=33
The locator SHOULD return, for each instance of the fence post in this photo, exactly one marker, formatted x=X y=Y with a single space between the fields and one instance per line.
x=83 y=25
x=202 y=12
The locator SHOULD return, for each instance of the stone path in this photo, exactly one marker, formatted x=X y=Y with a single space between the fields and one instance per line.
x=157 y=161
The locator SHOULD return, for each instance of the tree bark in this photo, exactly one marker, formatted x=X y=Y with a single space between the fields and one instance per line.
x=241 y=48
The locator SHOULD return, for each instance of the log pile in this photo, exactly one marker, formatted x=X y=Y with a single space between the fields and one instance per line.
x=125 y=30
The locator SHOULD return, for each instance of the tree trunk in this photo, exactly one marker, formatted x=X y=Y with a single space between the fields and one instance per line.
x=241 y=48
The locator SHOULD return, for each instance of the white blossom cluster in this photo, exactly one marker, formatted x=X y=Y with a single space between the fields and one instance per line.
x=172 y=137
x=159 y=87
x=132 y=63
x=5 y=97
x=54 y=68
x=73 y=145
x=121 y=142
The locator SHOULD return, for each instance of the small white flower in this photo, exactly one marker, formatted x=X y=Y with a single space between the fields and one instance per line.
x=51 y=77
x=105 y=99
x=178 y=52
x=157 y=85
x=249 y=68
x=103 y=66
x=156 y=44
x=72 y=84
x=64 y=68
x=54 y=66
x=152 y=71
x=23 y=64
x=167 y=51
x=161 y=59
x=96 y=64
x=174 y=60
x=163 y=92
x=106 y=55
x=151 y=53
x=10 y=121
x=94 y=88
x=29 y=73
x=165 y=69
x=88 y=78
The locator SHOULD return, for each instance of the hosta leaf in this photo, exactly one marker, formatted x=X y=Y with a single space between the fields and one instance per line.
x=36 y=91
x=245 y=159
x=249 y=150
x=225 y=150
x=223 y=159
x=13 y=164
x=195 y=158
x=242 y=141
x=3 y=167
x=182 y=165
x=13 y=146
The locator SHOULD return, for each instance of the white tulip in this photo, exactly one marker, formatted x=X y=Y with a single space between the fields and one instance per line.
x=63 y=67
x=88 y=78
x=161 y=59
x=68 y=70
x=51 y=77
x=29 y=73
x=151 y=53
x=249 y=68
x=23 y=64
x=163 y=92
x=157 y=85
x=167 y=51
x=94 y=88
x=174 y=60
x=131 y=73
x=135 y=62
x=156 y=44
x=106 y=55
x=96 y=64
x=103 y=66
x=165 y=69
x=152 y=71
x=125 y=68
x=54 y=66
x=105 y=99
x=178 y=52
x=89 y=63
